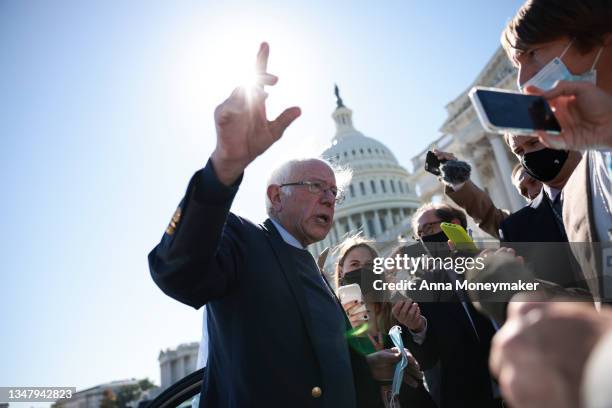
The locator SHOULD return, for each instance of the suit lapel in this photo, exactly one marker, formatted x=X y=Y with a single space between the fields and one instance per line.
x=276 y=242
x=347 y=322
x=579 y=225
x=577 y=214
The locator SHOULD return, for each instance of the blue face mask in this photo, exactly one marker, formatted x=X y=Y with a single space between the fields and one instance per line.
x=556 y=70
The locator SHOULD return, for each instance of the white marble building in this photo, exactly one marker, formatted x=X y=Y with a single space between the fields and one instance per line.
x=93 y=397
x=177 y=363
x=462 y=134
x=380 y=198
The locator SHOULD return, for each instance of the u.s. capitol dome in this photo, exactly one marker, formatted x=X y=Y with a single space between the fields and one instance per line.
x=379 y=200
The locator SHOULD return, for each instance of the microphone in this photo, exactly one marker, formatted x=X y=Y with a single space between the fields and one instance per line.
x=455 y=171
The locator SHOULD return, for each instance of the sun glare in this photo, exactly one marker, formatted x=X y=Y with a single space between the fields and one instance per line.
x=214 y=59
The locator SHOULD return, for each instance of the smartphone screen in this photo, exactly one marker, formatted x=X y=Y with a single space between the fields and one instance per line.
x=518 y=111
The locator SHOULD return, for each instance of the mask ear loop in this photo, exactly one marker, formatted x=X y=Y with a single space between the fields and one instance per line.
x=567 y=47
x=597 y=58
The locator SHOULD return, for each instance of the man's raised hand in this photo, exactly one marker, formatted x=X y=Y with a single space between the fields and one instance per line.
x=243 y=129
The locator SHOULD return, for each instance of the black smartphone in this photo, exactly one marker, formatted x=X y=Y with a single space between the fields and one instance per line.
x=502 y=111
x=432 y=164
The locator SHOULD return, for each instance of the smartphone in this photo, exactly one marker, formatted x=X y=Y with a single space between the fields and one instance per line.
x=504 y=111
x=461 y=239
x=350 y=293
x=432 y=163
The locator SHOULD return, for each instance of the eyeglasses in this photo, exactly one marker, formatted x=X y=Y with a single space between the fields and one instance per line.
x=428 y=229
x=318 y=187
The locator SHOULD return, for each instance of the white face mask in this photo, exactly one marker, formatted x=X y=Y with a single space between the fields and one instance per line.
x=556 y=70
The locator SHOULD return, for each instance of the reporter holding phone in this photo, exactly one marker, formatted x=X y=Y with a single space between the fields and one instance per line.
x=355 y=259
x=568 y=44
x=457 y=337
x=576 y=37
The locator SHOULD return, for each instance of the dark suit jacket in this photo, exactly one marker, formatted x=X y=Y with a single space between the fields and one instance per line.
x=536 y=235
x=260 y=328
x=451 y=341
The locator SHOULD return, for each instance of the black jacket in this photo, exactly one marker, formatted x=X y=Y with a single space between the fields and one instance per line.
x=538 y=235
x=461 y=351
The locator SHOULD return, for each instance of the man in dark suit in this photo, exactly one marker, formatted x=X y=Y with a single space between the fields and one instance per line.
x=574 y=35
x=456 y=336
x=537 y=231
x=277 y=332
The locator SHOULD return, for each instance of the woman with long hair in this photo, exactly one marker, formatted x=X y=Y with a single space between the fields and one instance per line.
x=355 y=260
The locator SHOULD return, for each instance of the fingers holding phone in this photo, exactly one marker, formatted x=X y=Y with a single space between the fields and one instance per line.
x=408 y=313
x=356 y=312
x=443 y=156
x=352 y=301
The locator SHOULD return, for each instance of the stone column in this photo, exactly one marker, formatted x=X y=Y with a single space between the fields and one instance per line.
x=352 y=228
x=166 y=380
x=180 y=368
x=469 y=157
x=377 y=221
x=505 y=167
x=389 y=219
x=364 y=227
x=375 y=225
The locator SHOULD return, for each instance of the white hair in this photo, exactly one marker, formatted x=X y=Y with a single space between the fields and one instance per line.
x=283 y=173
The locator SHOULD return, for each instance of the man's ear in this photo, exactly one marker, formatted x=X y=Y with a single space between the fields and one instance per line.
x=273 y=193
x=456 y=221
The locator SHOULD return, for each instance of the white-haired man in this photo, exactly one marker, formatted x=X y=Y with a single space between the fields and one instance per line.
x=277 y=332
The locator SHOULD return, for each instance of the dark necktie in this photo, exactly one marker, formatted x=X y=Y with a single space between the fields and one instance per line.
x=557 y=209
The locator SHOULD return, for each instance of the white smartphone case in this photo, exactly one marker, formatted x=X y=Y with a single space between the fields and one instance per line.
x=350 y=293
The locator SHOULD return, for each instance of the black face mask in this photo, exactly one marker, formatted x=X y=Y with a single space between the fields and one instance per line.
x=351 y=277
x=545 y=164
x=436 y=244
x=438 y=237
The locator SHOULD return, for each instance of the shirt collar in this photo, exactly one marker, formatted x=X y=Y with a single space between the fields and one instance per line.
x=287 y=237
x=551 y=192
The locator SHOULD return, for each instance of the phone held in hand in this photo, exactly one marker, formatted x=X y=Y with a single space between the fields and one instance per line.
x=504 y=111
x=461 y=239
x=432 y=163
x=351 y=293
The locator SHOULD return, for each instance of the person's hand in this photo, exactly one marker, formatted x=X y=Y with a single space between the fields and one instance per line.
x=357 y=318
x=243 y=130
x=540 y=353
x=444 y=155
x=408 y=313
x=382 y=365
x=502 y=252
x=584 y=112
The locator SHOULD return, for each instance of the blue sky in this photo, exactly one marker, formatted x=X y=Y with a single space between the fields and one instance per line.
x=106 y=110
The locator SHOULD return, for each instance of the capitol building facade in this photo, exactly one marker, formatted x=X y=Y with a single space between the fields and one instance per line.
x=488 y=155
